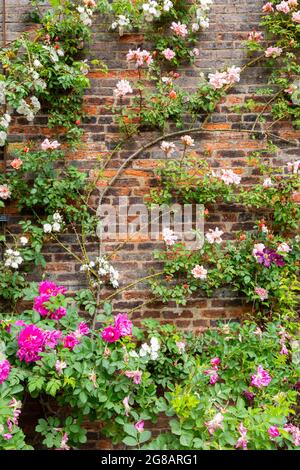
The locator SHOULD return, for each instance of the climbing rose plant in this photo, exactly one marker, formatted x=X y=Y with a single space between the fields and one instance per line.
x=107 y=369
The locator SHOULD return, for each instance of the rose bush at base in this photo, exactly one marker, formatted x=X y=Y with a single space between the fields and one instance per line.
x=232 y=387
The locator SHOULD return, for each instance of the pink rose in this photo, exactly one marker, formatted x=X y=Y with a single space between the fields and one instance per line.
x=111 y=334
x=273 y=432
x=4 y=370
x=168 y=54
x=261 y=378
x=268 y=8
x=70 y=341
x=123 y=324
x=48 y=145
x=296 y=16
x=179 y=29
x=139 y=426
x=4 y=192
x=199 y=272
x=273 y=52
x=16 y=163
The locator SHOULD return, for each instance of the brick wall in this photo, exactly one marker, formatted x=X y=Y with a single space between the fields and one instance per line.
x=220 y=45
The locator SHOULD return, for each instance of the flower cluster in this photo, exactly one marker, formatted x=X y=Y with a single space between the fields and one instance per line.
x=261 y=378
x=228 y=177
x=49 y=145
x=213 y=373
x=169 y=237
x=72 y=339
x=139 y=57
x=267 y=256
x=151 y=349
x=55 y=225
x=29 y=109
x=219 y=79
x=121 y=23
x=123 y=88
x=48 y=291
x=13 y=258
x=31 y=342
x=122 y=327
x=86 y=12
x=242 y=441
x=214 y=236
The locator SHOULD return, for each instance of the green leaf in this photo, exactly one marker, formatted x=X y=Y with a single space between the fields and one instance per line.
x=129 y=441
x=144 y=436
x=131 y=430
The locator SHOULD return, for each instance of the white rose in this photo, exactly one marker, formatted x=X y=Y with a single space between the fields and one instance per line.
x=23 y=241
x=47 y=228
x=56 y=227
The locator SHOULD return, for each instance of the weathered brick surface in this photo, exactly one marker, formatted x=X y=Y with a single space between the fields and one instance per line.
x=223 y=144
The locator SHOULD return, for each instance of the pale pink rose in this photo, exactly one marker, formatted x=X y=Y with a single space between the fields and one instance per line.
x=215 y=423
x=262 y=293
x=199 y=272
x=214 y=236
x=4 y=192
x=122 y=88
x=195 y=52
x=256 y=36
x=179 y=29
x=16 y=163
x=284 y=248
x=229 y=177
x=139 y=57
x=242 y=441
x=48 y=145
x=126 y=405
x=168 y=54
x=283 y=7
x=267 y=183
x=218 y=80
x=233 y=74
x=64 y=440
x=168 y=148
x=59 y=366
x=296 y=16
x=273 y=52
x=268 y=8
x=187 y=141
x=135 y=375
x=169 y=237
